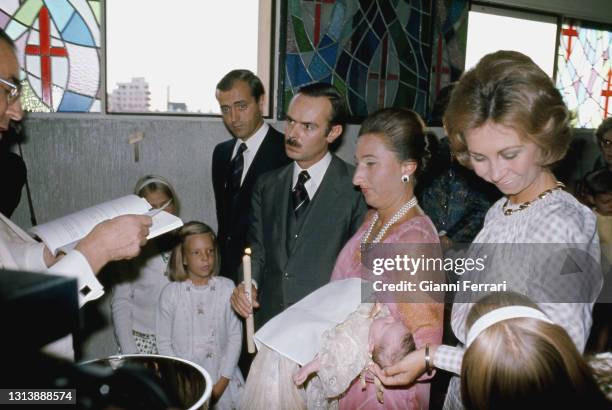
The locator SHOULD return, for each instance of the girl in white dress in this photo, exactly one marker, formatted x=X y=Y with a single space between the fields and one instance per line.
x=195 y=320
x=134 y=301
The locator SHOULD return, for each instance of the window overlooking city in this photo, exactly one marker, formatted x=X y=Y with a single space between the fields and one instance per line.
x=170 y=56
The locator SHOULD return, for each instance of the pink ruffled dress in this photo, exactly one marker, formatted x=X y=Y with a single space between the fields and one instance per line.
x=424 y=320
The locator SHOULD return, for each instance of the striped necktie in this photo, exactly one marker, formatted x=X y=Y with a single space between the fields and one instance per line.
x=235 y=170
x=300 y=195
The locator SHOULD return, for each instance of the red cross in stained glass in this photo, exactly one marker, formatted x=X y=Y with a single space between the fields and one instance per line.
x=570 y=32
x=607 y=93
x=317 y=19
x=383 y=77
x=438 y=68
x=45 y=51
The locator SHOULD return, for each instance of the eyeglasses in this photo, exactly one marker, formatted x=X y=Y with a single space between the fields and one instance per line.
x=605 y=142
x=14 y=91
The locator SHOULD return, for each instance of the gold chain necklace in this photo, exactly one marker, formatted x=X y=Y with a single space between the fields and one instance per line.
x=527 y=204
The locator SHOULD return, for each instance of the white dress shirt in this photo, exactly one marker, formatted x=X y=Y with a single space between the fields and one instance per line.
x=316 y=172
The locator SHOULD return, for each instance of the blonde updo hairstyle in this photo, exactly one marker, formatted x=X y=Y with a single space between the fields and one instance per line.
x=509 y=89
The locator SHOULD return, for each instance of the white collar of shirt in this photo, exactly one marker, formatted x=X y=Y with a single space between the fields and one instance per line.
x=316 y=172
x=253 y=144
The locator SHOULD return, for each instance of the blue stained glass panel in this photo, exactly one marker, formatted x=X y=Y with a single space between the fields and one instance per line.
x=75 y=103
x=296 y=70
x=61 y=12
x=76 y=32
x=329 y=54
x=325 y=41
x=354 y=61
x=318 y=69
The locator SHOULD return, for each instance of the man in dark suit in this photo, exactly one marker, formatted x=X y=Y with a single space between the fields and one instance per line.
x=256 y=148
x=304 y=213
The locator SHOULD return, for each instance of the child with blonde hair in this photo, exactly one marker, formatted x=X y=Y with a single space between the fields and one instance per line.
x=195 y=320
x=517 y=358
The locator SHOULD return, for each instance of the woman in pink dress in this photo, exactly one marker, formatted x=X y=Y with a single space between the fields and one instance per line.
x=391 y=150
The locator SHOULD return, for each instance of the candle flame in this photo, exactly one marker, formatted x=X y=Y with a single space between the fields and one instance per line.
x=247 y=251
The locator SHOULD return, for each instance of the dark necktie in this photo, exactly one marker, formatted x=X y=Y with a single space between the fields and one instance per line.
x=235 y=171
x=300 y=195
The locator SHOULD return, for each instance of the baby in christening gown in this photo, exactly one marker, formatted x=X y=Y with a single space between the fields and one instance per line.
x=368 y=334
x=331 y=332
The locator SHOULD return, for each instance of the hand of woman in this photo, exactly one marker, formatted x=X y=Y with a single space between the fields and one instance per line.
x=404 y=372
x=219 y=388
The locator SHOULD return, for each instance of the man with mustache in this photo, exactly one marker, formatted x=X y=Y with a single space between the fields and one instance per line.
x=255 y=149
x=301 y=214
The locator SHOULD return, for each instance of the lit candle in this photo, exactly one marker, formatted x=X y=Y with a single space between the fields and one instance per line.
x=250 y=324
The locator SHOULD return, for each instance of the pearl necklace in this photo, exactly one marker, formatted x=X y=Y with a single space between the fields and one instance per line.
x=398 y=215
x=509 y=211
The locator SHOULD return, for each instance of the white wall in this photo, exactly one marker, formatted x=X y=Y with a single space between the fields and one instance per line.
x=75 y=163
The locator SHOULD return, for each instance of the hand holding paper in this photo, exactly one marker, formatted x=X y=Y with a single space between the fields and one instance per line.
x=65 y=232
x=115 y=239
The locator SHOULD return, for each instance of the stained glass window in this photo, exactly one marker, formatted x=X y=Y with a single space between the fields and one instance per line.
x=584 y=72
x=58 y=46
x=449 y=43
x=375 y=52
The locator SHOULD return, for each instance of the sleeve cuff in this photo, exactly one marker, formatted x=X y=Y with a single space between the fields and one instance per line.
x=75 y=265
x=33 y=259
x=449 y=358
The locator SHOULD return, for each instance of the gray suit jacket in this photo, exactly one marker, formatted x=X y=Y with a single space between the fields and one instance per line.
x=285 y=276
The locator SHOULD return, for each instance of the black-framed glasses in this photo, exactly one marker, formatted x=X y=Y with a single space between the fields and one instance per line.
x=14 y=90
